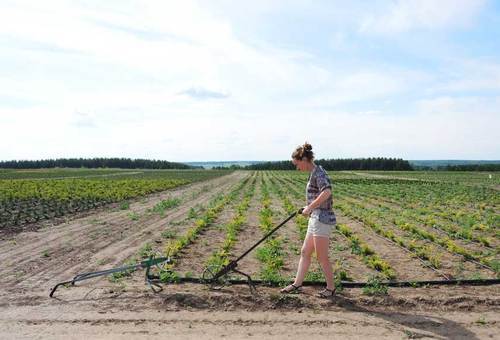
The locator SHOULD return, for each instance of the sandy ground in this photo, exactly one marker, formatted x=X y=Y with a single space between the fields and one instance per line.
x=32 y=262
x=105 y=311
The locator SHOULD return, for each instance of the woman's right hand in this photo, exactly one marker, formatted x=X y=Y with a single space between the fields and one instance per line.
x=306 y=211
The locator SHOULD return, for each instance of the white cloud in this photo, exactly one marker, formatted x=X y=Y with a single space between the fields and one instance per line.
x=468 y=75
x=365 y=85
x=201 y=93
x=438 y=128
x=405 y=15
x=83 y=120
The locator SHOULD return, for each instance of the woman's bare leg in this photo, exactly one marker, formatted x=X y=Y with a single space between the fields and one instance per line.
x=322 y=247
x=305 y=259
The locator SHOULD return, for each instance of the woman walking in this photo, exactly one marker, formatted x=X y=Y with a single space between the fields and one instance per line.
x=321 y=221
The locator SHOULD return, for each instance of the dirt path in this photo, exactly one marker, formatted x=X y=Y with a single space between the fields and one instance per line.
x=190 y=311
x=390 y=176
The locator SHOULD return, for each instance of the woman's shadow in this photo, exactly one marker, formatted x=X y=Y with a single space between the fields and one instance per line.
x=440 y=326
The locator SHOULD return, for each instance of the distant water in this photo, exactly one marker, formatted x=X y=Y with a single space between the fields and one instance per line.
x=209 y=165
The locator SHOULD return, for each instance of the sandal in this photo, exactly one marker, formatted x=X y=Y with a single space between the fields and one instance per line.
x=291 y=289
x=326 y=293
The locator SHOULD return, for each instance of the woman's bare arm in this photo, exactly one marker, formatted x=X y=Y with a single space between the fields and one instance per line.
x=325 y=194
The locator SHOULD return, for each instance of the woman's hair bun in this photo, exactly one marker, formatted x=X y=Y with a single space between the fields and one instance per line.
x=303 y=151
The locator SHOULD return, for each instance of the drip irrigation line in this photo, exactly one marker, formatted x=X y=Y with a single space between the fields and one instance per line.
x=348 y=284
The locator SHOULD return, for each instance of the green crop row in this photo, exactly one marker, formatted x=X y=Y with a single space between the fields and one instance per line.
x=424 y=252
x=446 y=243
x=271 y=254
x=368 y=255
x=232 y=228
x=214 y=208
x=455 y=222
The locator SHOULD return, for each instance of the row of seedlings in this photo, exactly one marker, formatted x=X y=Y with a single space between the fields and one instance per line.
x=483 y=259
x=209 y=215
x=175 y=245
x=270 y=254
x=221 y=258
x=424 y=215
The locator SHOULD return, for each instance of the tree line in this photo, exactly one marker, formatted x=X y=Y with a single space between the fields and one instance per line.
x=376 y=163
x=471 y=167
x=124 y=163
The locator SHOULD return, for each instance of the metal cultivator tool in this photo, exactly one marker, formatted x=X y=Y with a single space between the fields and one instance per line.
x=158 y=262
x=215 y=276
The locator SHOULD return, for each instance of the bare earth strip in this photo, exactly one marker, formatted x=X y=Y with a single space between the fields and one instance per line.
x=190 y=311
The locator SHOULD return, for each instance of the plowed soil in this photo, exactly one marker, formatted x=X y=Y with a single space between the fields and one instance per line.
x=32 y=262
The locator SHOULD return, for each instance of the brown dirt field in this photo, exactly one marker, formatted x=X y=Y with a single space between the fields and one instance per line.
x=100 y=309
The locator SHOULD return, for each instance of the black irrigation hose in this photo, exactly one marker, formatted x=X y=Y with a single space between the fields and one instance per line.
x=349 y=284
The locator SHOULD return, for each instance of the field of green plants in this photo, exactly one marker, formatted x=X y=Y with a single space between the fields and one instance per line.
x=390 y=226
x=29 y=196
x=483 y=178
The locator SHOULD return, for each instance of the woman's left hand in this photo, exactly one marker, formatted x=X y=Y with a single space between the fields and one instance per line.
x=306 y=211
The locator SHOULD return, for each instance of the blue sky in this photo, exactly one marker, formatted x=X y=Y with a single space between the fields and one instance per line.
x=248 y=80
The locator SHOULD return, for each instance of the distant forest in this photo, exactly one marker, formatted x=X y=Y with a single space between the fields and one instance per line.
x=378 y=163
x=124 y=163
x=471 y=167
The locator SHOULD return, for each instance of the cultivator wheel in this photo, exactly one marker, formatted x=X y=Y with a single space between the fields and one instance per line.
x=209 y=277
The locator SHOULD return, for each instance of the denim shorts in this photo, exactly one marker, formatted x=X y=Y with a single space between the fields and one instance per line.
x=317 y=228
